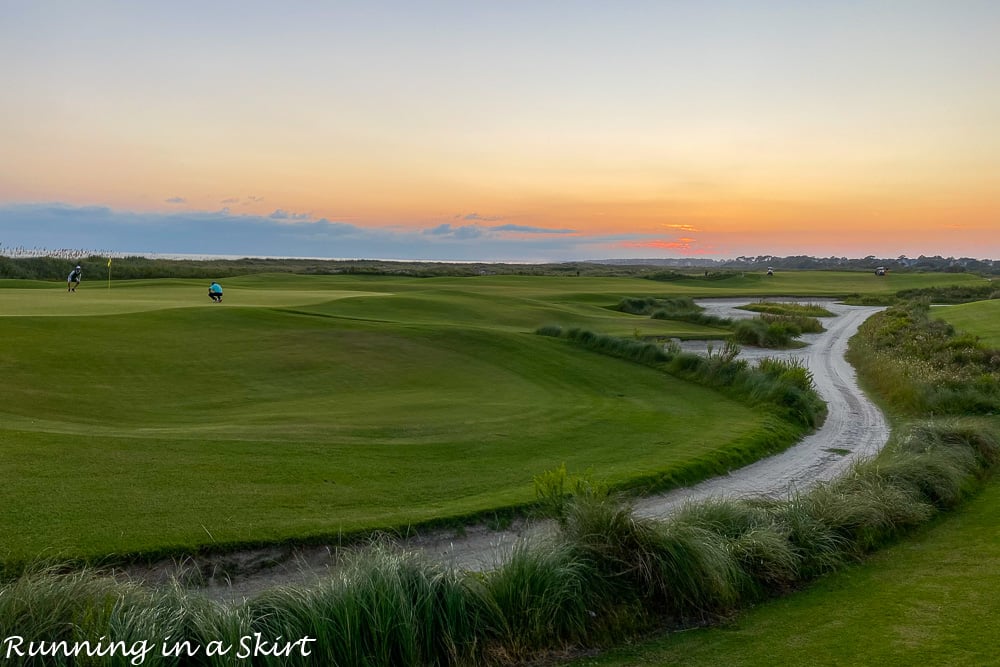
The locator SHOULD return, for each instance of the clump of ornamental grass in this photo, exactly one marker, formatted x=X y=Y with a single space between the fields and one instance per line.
x=625 y=348
x=757 y=542
x=669 y=308
x=961 y=433
x=795 y=323
x=865 y=509
x=940 y=460
x=812 y=310
x=786 y=383
x=817 y=547
x=556 y=488
x=45 y=603
x=181 y=625
x=543 y=597
x=386 y=607
x=681 y=569
x=552 y=330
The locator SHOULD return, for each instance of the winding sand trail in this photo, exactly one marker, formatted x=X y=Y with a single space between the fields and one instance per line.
x=854 y=429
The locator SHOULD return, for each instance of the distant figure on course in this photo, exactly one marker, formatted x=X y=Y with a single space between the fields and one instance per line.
x=73 y=280
x=215 y=292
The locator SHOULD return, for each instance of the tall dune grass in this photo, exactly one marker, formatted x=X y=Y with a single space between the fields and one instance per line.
x=606 y=574
x=922 y=367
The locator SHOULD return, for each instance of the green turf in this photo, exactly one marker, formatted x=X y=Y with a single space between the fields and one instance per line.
x=144 y=418
x=981 y=318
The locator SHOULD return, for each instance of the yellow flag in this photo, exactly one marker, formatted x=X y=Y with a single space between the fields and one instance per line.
x=109 y=262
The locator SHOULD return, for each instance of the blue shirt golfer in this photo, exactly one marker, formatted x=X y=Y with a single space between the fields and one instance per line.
x=73 y=279
x=215 y=292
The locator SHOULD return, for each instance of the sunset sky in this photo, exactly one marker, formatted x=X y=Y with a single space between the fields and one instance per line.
x=510 y=131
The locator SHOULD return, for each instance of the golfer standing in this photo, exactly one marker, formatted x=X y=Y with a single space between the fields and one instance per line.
x=73 y=280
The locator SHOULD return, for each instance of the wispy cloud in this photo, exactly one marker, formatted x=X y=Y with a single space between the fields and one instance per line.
x=531 y=230
x=681 y=228
x=230 y=200
x=463 y=232
x=475 y=217
x=683 y=244
x=176 y=200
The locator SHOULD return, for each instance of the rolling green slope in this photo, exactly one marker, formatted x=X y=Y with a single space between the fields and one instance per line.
x=146 y=419
x=980 y=318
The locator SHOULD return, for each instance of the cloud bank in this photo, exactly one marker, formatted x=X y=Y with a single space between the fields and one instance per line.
x=287 y=234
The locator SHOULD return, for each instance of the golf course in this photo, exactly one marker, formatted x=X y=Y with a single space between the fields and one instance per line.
x=142 y=421
x=141 y=418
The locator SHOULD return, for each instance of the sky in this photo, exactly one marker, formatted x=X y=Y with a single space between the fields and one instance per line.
x=501 y=131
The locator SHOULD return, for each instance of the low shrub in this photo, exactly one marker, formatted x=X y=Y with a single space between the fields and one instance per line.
x=808 y=310
x=922 y=368
x=552 y=330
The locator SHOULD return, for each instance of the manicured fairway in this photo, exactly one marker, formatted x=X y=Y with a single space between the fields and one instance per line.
x=981 y=318
x=146 y=418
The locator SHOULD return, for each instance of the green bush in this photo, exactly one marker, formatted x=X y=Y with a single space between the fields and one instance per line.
x=923 y=368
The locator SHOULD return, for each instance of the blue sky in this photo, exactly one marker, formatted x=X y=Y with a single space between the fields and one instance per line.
x=534 y=131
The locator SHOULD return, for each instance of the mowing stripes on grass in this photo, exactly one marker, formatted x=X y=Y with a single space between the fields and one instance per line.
x=312 y=428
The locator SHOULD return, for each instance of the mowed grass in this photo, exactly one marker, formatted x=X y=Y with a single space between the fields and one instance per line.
x=933 y=599
x=145 y=419
x=980 y=318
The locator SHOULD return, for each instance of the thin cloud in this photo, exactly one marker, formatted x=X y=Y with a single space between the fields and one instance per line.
x=660 y=244
x=230 y=200
x=464 y=232
x=682 y=228
x=475 y=217
x=176 y=200
x=522 y=229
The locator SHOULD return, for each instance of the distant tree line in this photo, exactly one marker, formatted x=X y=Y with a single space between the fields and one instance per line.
x=936 y=263
x=138 y=267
